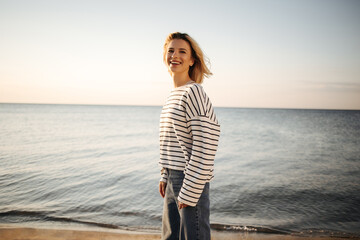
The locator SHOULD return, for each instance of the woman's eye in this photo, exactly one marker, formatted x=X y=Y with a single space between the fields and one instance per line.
x=170 y=51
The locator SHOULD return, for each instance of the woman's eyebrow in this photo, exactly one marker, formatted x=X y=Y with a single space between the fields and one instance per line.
x=183 y=49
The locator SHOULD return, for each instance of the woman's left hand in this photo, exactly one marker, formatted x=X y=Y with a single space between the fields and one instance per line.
x=182 y=205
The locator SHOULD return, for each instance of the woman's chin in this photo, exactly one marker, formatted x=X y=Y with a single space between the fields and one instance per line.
x=176 y=70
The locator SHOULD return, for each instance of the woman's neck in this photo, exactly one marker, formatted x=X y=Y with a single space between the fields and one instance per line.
x=180 y=79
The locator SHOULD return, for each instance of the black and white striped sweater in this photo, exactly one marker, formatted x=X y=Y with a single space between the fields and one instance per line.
x=189 y=135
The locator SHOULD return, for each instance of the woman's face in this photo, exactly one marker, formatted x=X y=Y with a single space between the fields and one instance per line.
x=178 y=56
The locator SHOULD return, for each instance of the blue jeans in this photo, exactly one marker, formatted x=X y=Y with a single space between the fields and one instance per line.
x=190 y=223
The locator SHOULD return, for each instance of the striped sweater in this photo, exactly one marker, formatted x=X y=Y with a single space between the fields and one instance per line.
x=189 y=135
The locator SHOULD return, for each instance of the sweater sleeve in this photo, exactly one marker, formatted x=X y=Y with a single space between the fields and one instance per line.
x=205 y=131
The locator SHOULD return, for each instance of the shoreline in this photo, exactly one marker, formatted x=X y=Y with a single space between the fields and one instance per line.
x=23 y=232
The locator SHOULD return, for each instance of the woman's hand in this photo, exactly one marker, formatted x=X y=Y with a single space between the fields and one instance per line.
x=182 y=205
x=162 y=188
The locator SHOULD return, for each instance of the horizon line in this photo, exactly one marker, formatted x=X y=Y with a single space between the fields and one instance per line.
x=137 y=105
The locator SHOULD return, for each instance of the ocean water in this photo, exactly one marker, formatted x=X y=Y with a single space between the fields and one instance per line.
x=285 y=170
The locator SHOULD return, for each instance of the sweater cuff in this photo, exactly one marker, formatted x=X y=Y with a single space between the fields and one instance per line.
x=191 y=204
x=164 y=175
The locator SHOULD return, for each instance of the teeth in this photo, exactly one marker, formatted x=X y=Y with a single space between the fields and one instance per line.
x=177 y=63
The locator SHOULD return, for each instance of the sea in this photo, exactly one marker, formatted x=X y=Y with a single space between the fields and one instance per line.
x=285 y=171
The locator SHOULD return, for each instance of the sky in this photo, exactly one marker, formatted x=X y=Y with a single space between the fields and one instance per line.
x=263 y=54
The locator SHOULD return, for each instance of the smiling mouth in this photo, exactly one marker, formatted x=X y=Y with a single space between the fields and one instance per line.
x=175 y=63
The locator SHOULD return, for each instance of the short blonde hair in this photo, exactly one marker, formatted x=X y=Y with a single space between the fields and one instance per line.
x=199 y=70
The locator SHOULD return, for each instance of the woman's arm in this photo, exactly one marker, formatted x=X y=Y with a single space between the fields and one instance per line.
x=204 y=130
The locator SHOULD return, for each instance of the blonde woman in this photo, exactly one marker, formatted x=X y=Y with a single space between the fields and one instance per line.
x=189 y=134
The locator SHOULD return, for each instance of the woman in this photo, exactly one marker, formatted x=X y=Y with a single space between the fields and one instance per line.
x=189 y=134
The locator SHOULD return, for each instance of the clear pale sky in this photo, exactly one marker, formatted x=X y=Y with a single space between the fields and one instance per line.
x=272 y=54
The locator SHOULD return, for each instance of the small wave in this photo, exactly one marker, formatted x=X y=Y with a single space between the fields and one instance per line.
x=239 y=228
x=44 y=216
x=22 y=213
x=29 y=216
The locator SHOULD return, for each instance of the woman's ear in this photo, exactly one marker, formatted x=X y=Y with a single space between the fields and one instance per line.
x=192 y=62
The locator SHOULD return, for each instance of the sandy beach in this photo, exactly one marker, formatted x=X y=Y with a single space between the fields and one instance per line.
x=32 y=233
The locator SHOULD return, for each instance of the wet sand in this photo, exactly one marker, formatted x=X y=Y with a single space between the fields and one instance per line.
x=32 y=233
